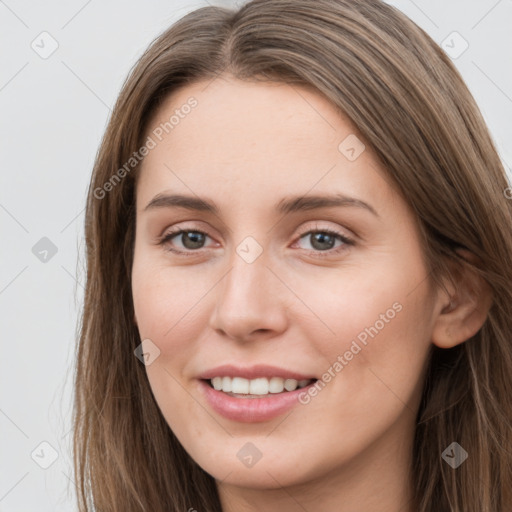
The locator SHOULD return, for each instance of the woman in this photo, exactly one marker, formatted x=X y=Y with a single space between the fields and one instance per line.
x=224 y=365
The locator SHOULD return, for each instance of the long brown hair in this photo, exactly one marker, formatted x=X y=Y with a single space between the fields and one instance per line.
x=408 y=101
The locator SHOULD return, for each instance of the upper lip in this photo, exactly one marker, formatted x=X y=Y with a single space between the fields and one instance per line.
x=253 y=372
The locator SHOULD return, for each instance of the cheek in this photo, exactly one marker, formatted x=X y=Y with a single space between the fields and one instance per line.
x=163 y=301
x=376 y=327
x=168 y=307
x=165 y=312
x=362 y=305
x=374 y=363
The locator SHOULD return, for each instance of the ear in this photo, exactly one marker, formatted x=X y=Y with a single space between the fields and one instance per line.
x=463 y=306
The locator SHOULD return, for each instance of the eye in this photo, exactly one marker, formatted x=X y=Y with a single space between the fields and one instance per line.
x=191 y=239
x=323 y=241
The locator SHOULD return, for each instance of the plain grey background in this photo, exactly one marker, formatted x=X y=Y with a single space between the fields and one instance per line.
x=55 y=107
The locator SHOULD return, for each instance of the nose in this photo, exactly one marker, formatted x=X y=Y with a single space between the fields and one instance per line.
x=250 y=301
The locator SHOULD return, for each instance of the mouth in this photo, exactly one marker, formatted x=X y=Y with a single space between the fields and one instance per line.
x=254 y=400
x=251 y=394
x=260 y=387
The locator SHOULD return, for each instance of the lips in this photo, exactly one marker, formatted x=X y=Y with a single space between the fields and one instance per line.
x=246 y=410
x=240 y=407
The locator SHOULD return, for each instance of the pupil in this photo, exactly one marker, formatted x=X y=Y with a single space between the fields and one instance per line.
x=197 y=239
x=320 y=237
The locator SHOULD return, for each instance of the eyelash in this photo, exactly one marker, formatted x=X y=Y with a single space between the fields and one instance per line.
x=166 y=238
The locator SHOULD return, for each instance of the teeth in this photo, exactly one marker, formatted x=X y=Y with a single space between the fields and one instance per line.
x=259 y=386
x=239 y=385
x=290 y=384
x=276 y=385
x=226 y=384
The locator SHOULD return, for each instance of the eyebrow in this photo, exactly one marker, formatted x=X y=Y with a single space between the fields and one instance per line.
x=285 y=206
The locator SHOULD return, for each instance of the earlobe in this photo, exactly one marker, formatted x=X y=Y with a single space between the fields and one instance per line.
x=464 y=308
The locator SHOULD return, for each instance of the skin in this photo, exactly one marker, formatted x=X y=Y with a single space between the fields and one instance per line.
x=350 y=447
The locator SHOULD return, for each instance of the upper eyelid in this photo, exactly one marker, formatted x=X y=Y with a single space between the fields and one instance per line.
x=317 y=226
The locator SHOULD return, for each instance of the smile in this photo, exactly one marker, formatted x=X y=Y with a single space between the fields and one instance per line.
x=254 y=388
x=249 y=407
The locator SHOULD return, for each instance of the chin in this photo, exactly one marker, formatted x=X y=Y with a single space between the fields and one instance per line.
x=272 y=473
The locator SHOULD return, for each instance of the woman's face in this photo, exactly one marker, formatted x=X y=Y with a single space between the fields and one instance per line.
x=280 y=287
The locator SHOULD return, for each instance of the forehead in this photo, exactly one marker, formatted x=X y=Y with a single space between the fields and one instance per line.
x=254 y=139
x=251 y=112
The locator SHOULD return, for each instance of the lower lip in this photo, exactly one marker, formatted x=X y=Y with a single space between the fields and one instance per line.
x=251 y=410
